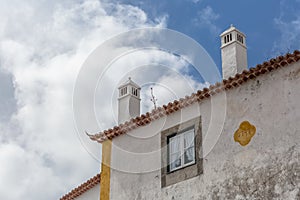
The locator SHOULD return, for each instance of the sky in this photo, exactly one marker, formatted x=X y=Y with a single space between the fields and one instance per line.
x=44 y=45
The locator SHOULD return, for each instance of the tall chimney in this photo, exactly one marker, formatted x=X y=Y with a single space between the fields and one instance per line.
x=234 y=52
x=128 y=101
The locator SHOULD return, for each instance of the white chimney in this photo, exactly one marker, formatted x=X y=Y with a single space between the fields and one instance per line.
x=234 y=52
x=128 y=101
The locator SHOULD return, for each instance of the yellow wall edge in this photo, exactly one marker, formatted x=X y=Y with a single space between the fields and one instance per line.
x=105 y=170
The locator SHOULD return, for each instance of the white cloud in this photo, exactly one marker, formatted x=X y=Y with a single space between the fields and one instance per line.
x=168 y=88
x=206 y=18
x=165 y=72
x=23 y=174
x=43 y=46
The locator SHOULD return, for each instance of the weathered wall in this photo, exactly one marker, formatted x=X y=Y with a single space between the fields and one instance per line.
x=229 y=61
x=91 y=194
x=234 y=59
x=267 y=168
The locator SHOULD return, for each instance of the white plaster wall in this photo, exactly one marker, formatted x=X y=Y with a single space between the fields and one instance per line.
x=128 y=107
x=91 y=194
x=123 y=109
x=234 y=59
x=242 y=61
x=229 y=61
x=267 y=168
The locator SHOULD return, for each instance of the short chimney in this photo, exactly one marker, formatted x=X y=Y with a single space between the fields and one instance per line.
x=234 y=52
x=128 y=101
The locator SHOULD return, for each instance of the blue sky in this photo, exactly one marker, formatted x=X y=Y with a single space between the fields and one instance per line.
x=261 y=21
x=43 y=45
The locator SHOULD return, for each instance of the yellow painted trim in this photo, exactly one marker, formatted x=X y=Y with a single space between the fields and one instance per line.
x=105 y=170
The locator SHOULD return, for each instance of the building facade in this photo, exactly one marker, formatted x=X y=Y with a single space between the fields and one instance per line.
x=237 y=139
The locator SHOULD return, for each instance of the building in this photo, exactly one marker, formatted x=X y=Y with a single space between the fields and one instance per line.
x=237 y=139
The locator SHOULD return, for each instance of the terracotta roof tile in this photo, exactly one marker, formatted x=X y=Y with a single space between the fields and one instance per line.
x=231 y=82
x=89 y=184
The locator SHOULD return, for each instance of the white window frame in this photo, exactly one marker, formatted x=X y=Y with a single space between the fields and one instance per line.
x=181 y=150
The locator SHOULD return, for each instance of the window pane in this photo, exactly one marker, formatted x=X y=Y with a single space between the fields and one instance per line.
x=174 y=144
x=175 y=161
x=189 y=139
x=189 y=155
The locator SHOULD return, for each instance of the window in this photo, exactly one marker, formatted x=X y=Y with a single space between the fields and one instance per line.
x=240 y=38
x=123 y=91
x=134 y=91
x=228 y=38
x=181 y=150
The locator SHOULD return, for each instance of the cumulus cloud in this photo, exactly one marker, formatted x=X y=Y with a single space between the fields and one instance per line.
x=169 y=87
x=43 y=46
x=23 y=172
x=206 y=18
x=166 y=73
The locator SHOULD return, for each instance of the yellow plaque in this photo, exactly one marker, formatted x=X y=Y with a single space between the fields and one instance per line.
x=244 y=134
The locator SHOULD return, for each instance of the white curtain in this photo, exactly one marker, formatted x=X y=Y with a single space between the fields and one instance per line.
x=175 y=158
x=189 y=149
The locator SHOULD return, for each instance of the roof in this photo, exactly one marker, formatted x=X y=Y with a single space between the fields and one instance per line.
x=200 y=95
x=89 y=184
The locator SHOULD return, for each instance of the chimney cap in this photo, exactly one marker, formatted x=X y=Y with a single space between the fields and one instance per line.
x=231 y=29
x=129 y=82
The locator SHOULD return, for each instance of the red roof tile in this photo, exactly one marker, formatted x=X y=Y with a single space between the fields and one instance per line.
x=89 y=184
x=231 y=82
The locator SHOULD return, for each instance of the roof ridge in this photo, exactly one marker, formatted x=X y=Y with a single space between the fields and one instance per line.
x=226 y=84
x=89 y=184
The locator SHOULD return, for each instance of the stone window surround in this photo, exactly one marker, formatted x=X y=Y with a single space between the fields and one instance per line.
x=187 y=172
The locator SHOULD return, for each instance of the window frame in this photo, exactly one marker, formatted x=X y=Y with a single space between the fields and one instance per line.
x=186 y=172
x=182 y=149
